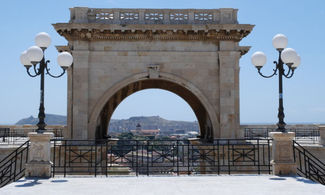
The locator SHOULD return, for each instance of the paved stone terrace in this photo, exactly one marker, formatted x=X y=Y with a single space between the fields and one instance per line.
x=189 y=185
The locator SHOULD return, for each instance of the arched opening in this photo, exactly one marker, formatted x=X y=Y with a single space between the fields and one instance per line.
x=201 y=113
x=153 y=113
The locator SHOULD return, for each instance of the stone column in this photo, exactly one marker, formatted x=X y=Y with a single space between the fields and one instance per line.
x=39 y=163
x=229 y=89
x=69 y=127
x=80 y=94
x=322 y=135
x=282 y=154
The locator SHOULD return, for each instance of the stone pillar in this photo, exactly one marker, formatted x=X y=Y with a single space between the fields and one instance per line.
x=68 y=130
x=39 y=163
x=79 y=89
x=229 y=90
x=322 y=135
x=282 y=153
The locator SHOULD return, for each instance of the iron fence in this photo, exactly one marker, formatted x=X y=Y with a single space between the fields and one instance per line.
x=308 y=165
x=156 y=157
x=20 y=135
x=12 y=167
x=303 y=136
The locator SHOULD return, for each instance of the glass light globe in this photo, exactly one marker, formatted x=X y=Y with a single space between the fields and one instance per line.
x=288 y=55
x=296 y=62
x=42 y=40
x=24 y=60
x=280 y=41
x=258 y=59
x=65 y=59
x=35 y=54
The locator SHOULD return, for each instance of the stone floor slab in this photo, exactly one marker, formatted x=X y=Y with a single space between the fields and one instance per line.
x=164 y=185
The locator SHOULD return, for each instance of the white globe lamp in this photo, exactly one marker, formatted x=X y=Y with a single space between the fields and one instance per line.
x=24 y=60
x=288 y=56
x=280 y=41
x=65 y=60
x=43 y=40
x=258 y=59
x=35 y=54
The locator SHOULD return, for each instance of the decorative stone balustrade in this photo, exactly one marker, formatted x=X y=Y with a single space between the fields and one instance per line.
x=154 y=16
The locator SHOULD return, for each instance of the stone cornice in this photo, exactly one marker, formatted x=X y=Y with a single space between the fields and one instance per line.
x=243 y=49
x=95 y=31
x=62 y=48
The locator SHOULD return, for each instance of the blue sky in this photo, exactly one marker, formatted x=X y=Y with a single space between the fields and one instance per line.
x=302 y=21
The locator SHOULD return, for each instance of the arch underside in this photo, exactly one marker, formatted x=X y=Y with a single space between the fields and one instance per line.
x=206 y=129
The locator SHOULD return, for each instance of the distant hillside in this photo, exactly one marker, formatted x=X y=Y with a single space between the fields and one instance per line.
x=151 y=122
x=50 y=119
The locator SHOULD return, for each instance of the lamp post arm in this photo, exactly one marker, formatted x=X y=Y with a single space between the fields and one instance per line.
x=30 y=74
x=274 y=72
x=37 y=71
x=290 y=73
x=49 y=73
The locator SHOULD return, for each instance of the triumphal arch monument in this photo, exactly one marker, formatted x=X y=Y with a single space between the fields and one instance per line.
x=193 y=53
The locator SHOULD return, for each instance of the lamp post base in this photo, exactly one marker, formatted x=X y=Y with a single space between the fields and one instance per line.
x=39 y=164
x=283 y=162
x=38 y=169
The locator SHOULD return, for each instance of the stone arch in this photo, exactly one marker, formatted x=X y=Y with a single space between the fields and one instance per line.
x=105 y=106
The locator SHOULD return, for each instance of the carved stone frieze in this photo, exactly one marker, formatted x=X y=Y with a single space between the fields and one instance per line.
x=153 y=32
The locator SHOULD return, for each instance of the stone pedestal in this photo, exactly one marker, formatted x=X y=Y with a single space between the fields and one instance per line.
x=322 y=135
x=39 y=164
x=202 y=150
x=282 y=154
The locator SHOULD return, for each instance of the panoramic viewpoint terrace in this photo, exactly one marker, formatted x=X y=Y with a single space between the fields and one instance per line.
x=194 y=53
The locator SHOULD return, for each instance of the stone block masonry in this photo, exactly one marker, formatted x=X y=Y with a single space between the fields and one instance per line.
x=193 y=53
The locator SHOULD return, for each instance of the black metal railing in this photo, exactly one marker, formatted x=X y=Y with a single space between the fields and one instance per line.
x=308 y=165
x=12 y=167
x=304 y=136
x=156 y=157
x=19 y=136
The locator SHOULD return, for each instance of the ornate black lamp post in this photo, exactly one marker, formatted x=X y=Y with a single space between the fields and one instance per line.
x=287 y=56
x=34 y=57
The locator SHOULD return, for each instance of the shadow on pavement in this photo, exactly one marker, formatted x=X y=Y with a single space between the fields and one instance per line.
x=308 y=181
x=30 y=182
x=278 y=178
x=59 y=181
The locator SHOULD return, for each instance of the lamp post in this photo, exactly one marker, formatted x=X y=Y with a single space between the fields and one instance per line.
x=33 y=58
x=287 y=56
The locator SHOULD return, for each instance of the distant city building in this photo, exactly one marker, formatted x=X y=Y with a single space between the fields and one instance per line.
x=145 y=132
x=180 y=131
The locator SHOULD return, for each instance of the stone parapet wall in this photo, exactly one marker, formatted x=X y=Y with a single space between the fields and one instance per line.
x=153 y=16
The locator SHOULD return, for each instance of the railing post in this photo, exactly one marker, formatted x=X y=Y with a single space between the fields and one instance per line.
x=282 y=153
x=177 y=158
x=322 y=135
x=39 y=164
